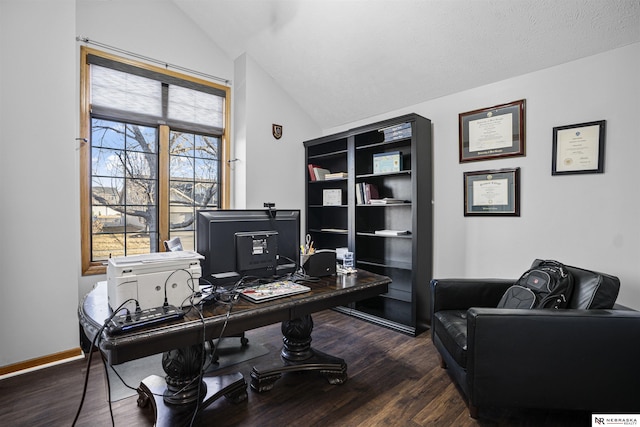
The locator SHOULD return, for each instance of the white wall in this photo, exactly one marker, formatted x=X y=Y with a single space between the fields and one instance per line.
x=273 y=169
x=590 y=220
x=154 y=28
x=38 y=169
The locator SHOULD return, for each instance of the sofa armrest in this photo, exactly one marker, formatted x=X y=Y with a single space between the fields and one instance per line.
x=583 y=359
x=461 y=294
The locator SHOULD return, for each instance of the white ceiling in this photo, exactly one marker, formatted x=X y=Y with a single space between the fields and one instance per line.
x=346 y=60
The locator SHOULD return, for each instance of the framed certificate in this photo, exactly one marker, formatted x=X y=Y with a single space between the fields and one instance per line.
x=331 y=197
x=387 y=162
x=578 y=148
x=492 y=132
x=492 y=193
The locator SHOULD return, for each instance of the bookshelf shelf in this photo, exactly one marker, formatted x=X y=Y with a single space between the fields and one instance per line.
x=328 y=154
x=381 y=175
x=406 y=259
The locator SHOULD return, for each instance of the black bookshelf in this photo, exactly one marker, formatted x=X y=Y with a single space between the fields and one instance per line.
x=357 y=223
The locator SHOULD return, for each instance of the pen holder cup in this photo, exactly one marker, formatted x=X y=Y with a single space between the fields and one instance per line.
x=320 y=263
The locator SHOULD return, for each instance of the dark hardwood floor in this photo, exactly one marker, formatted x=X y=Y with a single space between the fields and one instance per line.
x=394 y=380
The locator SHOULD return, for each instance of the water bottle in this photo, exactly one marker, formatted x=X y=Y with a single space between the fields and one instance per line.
x=347 y=260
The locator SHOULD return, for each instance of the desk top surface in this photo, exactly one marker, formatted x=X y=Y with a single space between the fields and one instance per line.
x=327 y=292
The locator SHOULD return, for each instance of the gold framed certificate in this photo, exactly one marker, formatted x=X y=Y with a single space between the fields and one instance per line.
x=492 y=192
x=578 y=148
x=492 y=132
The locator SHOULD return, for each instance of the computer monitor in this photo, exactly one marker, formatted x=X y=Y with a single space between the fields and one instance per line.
x=236 y=243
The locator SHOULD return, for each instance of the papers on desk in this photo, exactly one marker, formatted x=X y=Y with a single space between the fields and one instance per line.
x=270 y=291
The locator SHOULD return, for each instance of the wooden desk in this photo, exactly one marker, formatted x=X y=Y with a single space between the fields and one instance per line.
x=185 y=335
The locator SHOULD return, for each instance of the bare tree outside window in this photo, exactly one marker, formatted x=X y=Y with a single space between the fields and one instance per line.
x=124 y=180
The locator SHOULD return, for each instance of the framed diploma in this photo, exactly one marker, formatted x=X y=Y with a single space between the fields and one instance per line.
x=492 y=193
x=578 y=148
x=492 y=132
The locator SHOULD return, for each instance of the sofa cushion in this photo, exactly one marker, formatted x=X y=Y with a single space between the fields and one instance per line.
x=593 y=290
x=451 y=327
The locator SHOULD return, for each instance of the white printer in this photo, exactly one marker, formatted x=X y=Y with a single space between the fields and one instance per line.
x=154 y=278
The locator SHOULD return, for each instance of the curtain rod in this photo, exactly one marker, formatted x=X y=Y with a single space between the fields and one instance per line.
x=156 y=61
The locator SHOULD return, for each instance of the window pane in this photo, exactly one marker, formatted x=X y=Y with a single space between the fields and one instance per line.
x=107 y=245
x=206 y=170
x=141 y=165
x=125 y=92
x=107 y=162
x=124 y=188
x=181 y=167
x=141 y=192
x=140 y=243
x=206 y=194
x=107 y=134
x=108 y=220
x=107 y=191
x=181 y=193
x=181 y=144
x=181 y=218
x=193 y=106
x=142 y=138
x=141 y=219
x=207 y=147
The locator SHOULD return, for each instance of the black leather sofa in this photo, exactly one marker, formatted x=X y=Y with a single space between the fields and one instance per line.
x=585 y=357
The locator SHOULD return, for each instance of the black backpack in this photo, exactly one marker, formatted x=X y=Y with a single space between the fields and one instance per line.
x=546 y=285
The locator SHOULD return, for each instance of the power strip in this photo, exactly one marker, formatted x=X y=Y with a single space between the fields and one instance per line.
x=127 y=322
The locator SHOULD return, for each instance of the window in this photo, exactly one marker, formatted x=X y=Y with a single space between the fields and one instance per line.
x=193 y=181
x=154 y=143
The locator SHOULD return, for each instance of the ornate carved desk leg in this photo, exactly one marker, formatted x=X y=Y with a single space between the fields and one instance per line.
x=183 y=367
x=297 y=355
x=178 y=394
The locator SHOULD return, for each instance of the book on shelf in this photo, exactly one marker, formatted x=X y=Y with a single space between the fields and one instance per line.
x=387 y=201
x=394 y=128
x=400 y=131
x=365 y=192
x=392 y=232
x=335 y=175
x=316 y=173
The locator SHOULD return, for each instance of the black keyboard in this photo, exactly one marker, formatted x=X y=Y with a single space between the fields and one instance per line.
x=126 y=322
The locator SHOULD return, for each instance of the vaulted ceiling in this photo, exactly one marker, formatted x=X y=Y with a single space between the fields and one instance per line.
x=346 y=60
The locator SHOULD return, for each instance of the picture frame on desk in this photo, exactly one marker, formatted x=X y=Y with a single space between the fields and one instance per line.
x=493 y=132
x=492 y=193
x=578 y=149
